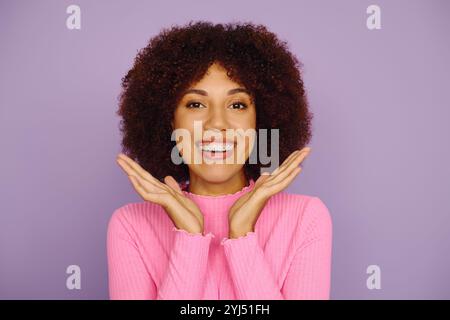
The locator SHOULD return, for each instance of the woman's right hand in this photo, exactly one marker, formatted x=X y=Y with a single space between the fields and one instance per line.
x=183 y=212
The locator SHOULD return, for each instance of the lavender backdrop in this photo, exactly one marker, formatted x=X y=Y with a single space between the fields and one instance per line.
x=380 y=153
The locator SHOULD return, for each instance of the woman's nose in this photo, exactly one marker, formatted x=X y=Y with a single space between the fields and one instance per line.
x=216 y=120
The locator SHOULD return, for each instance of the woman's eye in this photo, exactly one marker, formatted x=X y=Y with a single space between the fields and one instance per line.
x=243 y=105
x=192 y=105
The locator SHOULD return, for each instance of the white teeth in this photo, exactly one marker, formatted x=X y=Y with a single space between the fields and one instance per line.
x=217 y=147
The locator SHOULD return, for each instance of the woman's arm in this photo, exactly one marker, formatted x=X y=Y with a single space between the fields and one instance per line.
x=186 y=273
x=130 y=279
x=308 y=276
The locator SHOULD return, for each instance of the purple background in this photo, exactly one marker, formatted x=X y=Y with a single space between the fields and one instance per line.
x=380 y=152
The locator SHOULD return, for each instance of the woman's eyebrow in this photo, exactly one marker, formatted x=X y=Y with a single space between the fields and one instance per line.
x=204 y=93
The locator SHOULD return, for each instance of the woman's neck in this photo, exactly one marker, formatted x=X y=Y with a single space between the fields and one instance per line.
x=200 y=186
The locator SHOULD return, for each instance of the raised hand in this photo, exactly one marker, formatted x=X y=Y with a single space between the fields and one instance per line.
x=183 y=212
x=245 y=211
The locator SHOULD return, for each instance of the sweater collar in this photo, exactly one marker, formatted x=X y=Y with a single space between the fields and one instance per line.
x=220 y=199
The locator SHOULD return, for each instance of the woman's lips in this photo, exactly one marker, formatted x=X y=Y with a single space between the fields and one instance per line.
x=216 y=151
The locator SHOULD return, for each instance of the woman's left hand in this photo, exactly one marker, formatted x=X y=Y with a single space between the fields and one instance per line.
x=245 y=211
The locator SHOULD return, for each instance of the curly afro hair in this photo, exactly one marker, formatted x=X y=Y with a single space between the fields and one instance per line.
x=179 y=57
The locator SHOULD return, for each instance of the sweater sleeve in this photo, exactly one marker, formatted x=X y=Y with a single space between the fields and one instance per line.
x=129 y=278
x=127 y=274
x=185 y=277
x=308 y=275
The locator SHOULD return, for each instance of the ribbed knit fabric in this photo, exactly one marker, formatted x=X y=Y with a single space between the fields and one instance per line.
x=287 y=256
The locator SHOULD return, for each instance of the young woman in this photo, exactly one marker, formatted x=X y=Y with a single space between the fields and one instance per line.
x=215 y=229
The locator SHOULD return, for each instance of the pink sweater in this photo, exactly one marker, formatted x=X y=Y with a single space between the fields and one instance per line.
x=287 y=256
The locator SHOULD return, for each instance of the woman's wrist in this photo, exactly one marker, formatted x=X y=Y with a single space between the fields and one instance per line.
x=239 y=232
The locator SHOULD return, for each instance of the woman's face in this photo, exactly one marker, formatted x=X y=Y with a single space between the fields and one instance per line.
x=206 y=110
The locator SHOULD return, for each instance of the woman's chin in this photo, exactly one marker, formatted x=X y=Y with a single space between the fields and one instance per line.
x=217 y=173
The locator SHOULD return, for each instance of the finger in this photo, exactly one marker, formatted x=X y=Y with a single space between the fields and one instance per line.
x=148 y=196
x=136 y=167
x=283 y=184
x=131 y=171
x=263 y=177
x=171 y=182
x=297 y=153
x=150 y=187
x=287 y=171
x=174 y=187
x=292 y=159
x=285 y=162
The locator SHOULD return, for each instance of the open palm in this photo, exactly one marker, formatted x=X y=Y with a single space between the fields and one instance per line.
x=245 y=211
x=183 y=211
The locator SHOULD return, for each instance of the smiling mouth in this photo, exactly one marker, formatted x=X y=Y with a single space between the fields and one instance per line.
x=216 y=150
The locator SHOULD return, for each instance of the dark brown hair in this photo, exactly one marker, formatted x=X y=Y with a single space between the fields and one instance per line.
x=180 y=56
